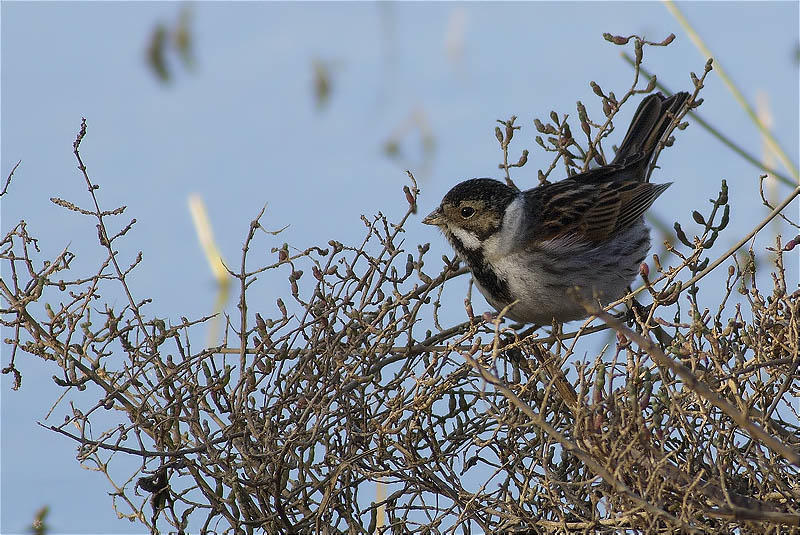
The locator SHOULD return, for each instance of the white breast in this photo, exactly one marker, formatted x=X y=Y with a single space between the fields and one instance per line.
x=501 y=243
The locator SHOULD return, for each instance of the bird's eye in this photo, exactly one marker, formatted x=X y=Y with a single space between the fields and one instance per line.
x=467 y=212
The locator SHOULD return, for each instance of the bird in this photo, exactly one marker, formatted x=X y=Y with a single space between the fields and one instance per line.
x=542 y=254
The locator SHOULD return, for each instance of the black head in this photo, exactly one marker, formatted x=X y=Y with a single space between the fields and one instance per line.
x=476 y=206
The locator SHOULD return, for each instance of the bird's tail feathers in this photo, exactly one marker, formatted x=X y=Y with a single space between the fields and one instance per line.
x=651 y=120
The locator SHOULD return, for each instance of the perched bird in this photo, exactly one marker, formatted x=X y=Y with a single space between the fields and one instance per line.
x=551 y=248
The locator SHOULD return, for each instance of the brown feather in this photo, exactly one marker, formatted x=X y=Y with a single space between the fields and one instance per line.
x=589 y=213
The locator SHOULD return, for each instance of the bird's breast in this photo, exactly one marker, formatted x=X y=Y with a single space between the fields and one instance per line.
x=510 y=234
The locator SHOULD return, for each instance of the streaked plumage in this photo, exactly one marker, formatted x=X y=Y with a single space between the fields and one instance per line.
x=586 y=232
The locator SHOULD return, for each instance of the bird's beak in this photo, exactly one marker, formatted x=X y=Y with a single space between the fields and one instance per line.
x=434 y=218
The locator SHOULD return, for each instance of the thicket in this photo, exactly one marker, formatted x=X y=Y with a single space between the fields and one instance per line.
x=352 y=409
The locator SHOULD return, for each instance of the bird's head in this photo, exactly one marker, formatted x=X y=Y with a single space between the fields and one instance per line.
x=472 y=211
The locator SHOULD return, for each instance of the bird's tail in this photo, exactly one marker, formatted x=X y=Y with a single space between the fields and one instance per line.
x=651 y=120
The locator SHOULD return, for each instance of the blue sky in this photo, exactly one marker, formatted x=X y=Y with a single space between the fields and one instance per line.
x=242 y=130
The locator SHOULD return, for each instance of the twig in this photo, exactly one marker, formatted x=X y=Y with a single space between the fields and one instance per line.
x=142 y=453
x=573 y=448
x=778 y=209
x=697 y=386
x=8 y=180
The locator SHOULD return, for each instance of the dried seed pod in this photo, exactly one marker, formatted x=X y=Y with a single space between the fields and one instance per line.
x=657 y=263
x=723 y=193
x=726 y=213
x=606 y=107
x=567 y=133
x=586 y=128
x=616 y=39
x=682 y=236
x=409 y=264
x=581 y=111
x=409 y=197
x=260 y=325
x=599 y=383
x=709 y=243
x=669 y=295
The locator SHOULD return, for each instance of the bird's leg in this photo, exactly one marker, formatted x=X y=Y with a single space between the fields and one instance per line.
x=638 y=316
x=628 y=315
x=514 y=354
x=515 y=357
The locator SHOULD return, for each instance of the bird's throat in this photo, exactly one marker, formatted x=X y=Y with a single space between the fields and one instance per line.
x=490 y=283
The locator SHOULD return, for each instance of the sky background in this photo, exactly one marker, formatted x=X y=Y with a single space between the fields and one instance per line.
x=242 y=128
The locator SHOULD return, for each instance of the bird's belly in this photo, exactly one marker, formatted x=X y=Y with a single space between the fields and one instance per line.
x=542 y=294
x=548 y=285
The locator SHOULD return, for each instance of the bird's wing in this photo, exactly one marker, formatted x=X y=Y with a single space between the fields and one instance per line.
x=590 y=213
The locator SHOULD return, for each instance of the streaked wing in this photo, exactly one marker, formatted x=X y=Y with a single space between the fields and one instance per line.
x=587 y=212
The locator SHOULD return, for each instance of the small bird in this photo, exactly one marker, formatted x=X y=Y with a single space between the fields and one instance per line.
x=549 y=249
